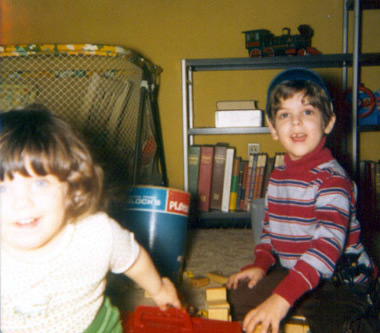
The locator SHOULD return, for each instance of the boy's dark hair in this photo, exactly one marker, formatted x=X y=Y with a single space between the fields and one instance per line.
x=35 y=138
x=295 y=80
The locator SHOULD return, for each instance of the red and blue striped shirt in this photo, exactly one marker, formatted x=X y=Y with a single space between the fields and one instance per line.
x=310 y=221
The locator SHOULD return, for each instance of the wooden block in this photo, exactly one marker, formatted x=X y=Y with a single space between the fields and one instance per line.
x=218 y=304
x=294 y=328
x=217 y=278
x=258 y=329
x=217 y=293
x=296 y=324
x=219 y=314
x=199 y=282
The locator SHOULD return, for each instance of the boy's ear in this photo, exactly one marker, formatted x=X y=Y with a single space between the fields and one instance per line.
x=329 y=127
x=273 y=130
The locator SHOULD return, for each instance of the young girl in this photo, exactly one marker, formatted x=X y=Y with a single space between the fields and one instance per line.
x=56 y=248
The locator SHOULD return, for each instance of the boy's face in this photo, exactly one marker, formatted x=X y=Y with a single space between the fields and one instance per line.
x=299 y=126
x=32 y=211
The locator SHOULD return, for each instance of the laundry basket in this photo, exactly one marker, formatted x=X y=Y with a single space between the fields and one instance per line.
x=98 y=89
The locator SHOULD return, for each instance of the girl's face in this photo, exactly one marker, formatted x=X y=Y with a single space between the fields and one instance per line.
x=299 y=126
x=32 y=211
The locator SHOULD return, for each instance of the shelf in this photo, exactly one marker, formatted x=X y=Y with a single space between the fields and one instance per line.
x=219 y=219
x=309 y=61
x=228 y=130
x=366 y=4
x=369 y=128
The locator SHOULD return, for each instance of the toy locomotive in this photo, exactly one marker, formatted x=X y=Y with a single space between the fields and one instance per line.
x=263 y=43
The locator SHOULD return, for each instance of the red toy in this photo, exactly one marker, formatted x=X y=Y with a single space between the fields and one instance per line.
x=150 y=319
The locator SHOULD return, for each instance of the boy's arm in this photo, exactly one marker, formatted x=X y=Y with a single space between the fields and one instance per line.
x=144 y=273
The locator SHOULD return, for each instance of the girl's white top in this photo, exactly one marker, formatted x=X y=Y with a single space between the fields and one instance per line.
x=63 y=290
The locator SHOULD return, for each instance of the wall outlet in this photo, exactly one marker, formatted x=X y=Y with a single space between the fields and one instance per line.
x=253 y=148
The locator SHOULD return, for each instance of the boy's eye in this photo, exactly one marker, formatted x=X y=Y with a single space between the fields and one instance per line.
x=283 y=115
x=309 y=112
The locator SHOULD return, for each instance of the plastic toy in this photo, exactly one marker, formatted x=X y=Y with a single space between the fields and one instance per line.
x=149 y=319
x=263 y=43
x=367 y=112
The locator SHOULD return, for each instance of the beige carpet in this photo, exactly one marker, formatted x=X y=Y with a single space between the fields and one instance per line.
x=208 y=250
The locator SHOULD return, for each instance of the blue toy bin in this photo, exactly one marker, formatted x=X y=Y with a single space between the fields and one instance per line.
x=158 y=217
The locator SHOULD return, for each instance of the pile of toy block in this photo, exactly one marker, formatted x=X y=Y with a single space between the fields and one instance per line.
x=217 y=306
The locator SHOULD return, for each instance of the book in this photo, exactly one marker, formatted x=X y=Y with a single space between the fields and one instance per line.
x=260 y=176
x=248 y=182
x=234 y=183
x=267 y=172
x=227 y=179
x=239 y=118
x=257 y=175
x=377 y=188
x=218 y=176
x=193 y=173
x=279 y=159
x=368 y=197
x=236 y=105
x=205 y=176
x=253 y=179
x=240 y=190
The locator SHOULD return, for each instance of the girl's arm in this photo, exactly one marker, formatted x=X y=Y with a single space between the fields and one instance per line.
x=144 y=273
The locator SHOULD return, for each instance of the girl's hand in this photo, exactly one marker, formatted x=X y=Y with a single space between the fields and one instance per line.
x=253 y=275
x=269 y=314
x=167 y=295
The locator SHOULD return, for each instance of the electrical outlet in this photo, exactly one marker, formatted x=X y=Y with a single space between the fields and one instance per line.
x=253 y=148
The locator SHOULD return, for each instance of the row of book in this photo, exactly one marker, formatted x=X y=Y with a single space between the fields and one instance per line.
x=220 y=180
x=369 y=194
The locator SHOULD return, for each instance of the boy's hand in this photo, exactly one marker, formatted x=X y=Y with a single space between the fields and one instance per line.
x=269 y=314
x=253 y=275
x=167 y=295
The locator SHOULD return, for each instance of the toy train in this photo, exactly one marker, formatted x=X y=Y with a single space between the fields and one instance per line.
x=263 y=43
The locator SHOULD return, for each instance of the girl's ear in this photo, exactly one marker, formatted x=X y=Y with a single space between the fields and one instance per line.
x=329 y=127
x=273 y=130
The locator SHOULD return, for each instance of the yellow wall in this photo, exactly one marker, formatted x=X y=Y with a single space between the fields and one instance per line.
x=165 y=31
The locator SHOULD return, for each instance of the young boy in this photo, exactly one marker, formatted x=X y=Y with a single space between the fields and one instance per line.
x=310 y=221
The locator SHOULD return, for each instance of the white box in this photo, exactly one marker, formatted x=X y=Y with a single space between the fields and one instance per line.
x=239 y=118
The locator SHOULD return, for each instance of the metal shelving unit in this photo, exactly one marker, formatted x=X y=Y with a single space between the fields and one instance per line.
x=344 y=60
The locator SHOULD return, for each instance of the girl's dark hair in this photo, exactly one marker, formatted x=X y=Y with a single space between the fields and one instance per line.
x=34 y=138
x=313 y=94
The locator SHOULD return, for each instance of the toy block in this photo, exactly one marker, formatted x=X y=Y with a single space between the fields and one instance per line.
x=187 y=274
x=219 y=314
x=199 y=282
x=216 y=293
x=294 y=328
x=296 y=324
x=218 y=304
x=258 y=329
x=217 y=278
